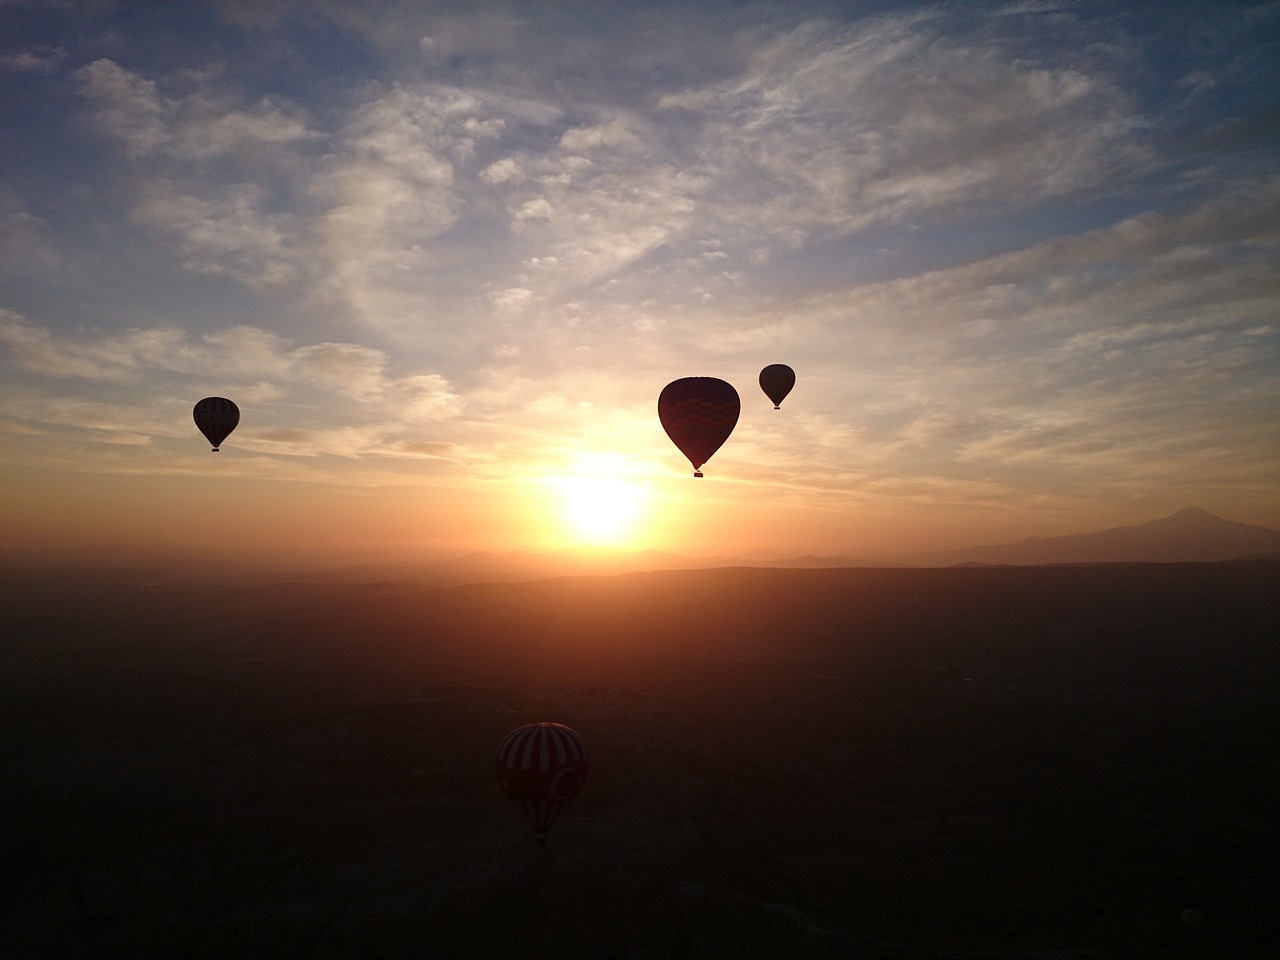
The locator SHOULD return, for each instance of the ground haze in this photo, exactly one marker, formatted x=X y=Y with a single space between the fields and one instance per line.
x=1052 y=761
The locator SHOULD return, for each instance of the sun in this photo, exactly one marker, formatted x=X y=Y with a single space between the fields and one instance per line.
x=601 y=510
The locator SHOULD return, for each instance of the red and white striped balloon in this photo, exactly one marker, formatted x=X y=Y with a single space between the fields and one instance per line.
x=541 y=767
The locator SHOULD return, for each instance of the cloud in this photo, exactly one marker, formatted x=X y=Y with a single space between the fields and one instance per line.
x=130 y=107
x=425 y=397
x=822 y=130
x=39 y=351
x=391 y=193
x=1151 y=267
x=43 y=60
x=539 y=209
x=506 y=170
x=233 y=184
x=262 y=371
x=835 y=128
x=611 y=135
x=214 y=127
x=197 y=125
x=1070 y=362
x=205 y=172
x=355 y=370
x=511 y=298
x=28 y=245
x=369 y=234
x=584 y=223
x=228 y=234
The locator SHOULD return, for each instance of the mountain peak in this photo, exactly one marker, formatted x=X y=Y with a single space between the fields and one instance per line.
x=1194 y=513
x=1189 y=535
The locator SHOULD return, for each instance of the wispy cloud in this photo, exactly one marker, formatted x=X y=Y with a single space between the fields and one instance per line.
x=293 y=387
x=832 y=129
x=37 y=60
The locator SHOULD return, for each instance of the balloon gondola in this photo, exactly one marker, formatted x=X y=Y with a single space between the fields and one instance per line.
x=541 y=767
x=698 y=414
x=776 y=380
x=216 y=417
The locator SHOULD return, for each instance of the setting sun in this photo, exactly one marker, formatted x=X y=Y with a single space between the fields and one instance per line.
x=600 y=510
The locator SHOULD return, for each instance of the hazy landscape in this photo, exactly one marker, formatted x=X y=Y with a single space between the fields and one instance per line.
x=358 y=364
x=1051 y=761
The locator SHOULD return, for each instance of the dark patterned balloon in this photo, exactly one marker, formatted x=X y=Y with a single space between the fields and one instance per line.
x=216 y=417
x=698 y=414
x=776 y=380
x=541 y=767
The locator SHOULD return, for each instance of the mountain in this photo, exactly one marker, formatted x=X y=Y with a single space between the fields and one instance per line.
x=1190 y=535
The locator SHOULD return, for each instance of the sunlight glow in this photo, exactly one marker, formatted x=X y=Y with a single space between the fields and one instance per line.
x=601 y=510
x=598 y=504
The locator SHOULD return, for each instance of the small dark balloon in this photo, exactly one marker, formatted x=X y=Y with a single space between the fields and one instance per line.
x=216 y=417
x=698 y=414
x=776 y=380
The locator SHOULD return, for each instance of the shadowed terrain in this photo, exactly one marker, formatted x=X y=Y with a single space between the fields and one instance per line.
x=1044 y=762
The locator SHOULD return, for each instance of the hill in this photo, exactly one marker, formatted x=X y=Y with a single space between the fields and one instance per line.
x=517 y=566
x=1189 y=536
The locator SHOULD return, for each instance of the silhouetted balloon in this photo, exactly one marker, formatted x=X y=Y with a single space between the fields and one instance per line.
x=216 y=417
x=776 y=380
x=698 y=414
x=541 y=767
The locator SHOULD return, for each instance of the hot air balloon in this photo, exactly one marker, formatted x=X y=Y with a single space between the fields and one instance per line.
x=698 y=414
x=541 y=767
x=216 y=417
x=776 y=380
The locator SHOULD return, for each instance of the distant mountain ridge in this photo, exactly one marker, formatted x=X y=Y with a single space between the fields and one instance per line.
x=1191 y=535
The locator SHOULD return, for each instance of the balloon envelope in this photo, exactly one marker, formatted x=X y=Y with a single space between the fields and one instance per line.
x=776 y=380
x=698 y=414
x=541 y=767
x=216 y=417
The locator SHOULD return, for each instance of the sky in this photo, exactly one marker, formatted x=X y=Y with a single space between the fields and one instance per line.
x=1023 y=259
